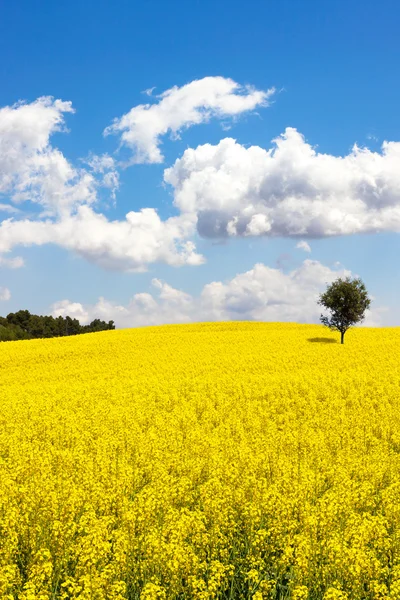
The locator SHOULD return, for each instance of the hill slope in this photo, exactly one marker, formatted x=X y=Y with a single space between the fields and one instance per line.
x=228 y=460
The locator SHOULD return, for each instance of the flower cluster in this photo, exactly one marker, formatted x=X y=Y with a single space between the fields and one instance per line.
x=208 y=461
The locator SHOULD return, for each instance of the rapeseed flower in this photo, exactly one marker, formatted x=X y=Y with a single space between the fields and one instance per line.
x=206 y=461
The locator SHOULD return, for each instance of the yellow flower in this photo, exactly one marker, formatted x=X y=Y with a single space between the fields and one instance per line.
x=300 y=592
x=202 y=461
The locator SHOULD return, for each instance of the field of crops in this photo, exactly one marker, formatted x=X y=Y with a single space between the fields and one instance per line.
x=226 y=460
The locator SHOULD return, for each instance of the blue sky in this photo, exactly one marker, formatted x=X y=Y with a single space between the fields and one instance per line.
x=334 y=69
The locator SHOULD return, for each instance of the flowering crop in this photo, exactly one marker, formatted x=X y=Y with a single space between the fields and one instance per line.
x=207 y=461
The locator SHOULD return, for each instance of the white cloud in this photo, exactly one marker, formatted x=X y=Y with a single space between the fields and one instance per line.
x=8 y=208
x=220 y=191
x=30 y=168
x=375 y=317
x=75 y=310
x=260 y=294
x=12 y=263
x=303 y=245
x=105 y=165
x=179 y=108
x=289 y=190
x=5 y=293
x=127 y=245
x=149 y=91
x=267 y=294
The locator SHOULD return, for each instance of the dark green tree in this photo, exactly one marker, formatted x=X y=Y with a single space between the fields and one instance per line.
x=59 y=326
x=35 y=326
x=20 y=318
x=347 y=300
x=49 y=327
x=22 y=325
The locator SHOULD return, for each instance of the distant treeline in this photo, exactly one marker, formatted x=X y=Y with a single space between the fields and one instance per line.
x=24 y=326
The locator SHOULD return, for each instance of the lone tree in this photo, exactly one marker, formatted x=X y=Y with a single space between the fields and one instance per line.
x=347 y=300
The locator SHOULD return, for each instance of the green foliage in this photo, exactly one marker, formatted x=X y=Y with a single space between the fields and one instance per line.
x=347 y=300
x=24 y=326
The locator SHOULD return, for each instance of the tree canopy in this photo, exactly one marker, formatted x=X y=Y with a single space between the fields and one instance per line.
x=22 y=325
x=347 y=300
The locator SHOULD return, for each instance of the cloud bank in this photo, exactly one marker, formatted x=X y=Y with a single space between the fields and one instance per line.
x=288 y=190
x=260 y=294
x=225 y=190
x=126 y=245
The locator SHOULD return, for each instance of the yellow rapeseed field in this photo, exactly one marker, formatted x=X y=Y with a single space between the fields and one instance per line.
x=216 y=460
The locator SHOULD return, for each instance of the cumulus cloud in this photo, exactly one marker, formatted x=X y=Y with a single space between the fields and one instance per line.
x=5 y=293
x=181 y=107
x=303 y=245
x=32 y=170
x=128 y=245
x=75 y=310
x=288 y=190
x=261 y=294
x=220 y=191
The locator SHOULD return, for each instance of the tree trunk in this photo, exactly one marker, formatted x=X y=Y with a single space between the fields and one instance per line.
x=342 y=337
